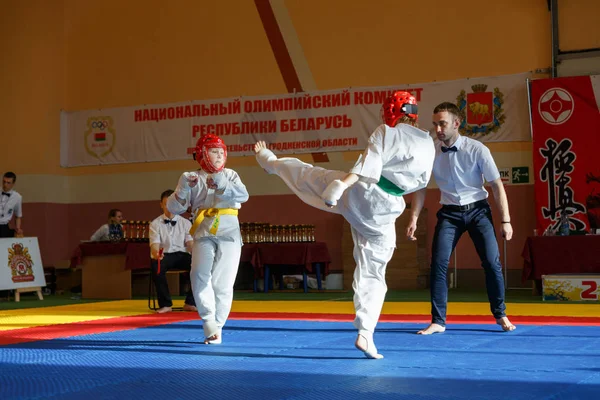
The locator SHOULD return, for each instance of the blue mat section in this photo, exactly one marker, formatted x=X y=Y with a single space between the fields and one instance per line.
x=307 y=360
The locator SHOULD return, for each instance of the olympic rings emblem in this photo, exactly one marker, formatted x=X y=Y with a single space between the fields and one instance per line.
x=99 y=124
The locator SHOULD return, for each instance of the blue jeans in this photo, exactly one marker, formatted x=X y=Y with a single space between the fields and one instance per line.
x=450 y=226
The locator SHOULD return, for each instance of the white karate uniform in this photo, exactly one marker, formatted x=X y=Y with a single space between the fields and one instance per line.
x=215 y=258
x=404 y=156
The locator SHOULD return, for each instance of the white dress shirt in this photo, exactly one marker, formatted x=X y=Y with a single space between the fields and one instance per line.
x=460 y=174
x=171 y=238
x=9 y=206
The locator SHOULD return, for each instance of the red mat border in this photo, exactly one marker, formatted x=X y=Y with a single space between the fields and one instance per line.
x=49 y=332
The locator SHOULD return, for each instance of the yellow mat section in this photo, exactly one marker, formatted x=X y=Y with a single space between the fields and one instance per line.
x=31 y=317
x=419 y=308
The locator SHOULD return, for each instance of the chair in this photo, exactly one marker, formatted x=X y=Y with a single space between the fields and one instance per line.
x=151 y=289
x=152 y=301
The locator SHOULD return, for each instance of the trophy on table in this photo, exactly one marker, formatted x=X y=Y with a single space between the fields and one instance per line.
x=126 y=230
x=135 y=231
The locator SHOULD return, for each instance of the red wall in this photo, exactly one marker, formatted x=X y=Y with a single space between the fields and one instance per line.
x=60 y=227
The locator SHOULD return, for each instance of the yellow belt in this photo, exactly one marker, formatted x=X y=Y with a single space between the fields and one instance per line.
x=211 y=212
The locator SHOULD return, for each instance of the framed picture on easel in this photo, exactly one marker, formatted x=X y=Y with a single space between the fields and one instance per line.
x=21 y=266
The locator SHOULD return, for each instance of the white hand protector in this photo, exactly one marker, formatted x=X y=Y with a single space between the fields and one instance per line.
x=334 y=192
x=186 y=182
x=220 y=180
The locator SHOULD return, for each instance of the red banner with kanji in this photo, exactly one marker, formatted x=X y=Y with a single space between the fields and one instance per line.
x=565 y=121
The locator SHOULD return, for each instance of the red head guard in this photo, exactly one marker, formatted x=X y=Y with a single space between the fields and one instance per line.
x=204 y=144
x=398 y=105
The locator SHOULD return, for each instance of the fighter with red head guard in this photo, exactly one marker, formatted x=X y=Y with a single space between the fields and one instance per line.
x=397 y=106
x=215 y=195
x=211 y=153
x=398 y=160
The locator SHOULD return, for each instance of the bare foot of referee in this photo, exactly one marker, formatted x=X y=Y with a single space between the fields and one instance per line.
x=506 y=325
x=431 y=329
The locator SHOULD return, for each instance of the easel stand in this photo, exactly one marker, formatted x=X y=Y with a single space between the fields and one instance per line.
x=37 y=289
x=23 y=267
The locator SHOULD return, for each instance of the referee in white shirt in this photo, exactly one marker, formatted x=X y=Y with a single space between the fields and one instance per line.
x=460 y=167
x=172 y=234
x=10 y=205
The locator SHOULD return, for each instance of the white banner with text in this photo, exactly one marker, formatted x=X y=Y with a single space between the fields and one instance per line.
x=493 y=109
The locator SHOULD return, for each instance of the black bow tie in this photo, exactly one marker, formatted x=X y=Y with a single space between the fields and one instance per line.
x=170 y=221
x=5 y=194
x=447 y=149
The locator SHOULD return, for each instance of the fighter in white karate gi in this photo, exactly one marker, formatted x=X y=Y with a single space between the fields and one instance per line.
x=215 y=194
x=397 y=161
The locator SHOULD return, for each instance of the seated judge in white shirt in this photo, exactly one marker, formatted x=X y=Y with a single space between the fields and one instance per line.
x=171 y=233
x=111 y=231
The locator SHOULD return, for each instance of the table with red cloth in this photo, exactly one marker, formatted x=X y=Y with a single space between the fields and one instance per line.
x=310 y=257
x=137 y=254
x=545 y=255
x=106 y=267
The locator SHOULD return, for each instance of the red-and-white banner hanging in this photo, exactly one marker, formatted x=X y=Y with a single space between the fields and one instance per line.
x=495 y=109
x=566 y=137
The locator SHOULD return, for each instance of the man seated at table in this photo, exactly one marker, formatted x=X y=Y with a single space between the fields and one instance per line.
x=171 y=234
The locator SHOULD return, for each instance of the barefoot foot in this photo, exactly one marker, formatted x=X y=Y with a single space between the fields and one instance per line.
x=364 y=342
x=431 y=329
x=214 y=339
x=163 y=310
x=506 y=325
x=189 y=307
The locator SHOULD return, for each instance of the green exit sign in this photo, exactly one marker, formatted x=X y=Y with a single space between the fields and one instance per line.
x=520 y=175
